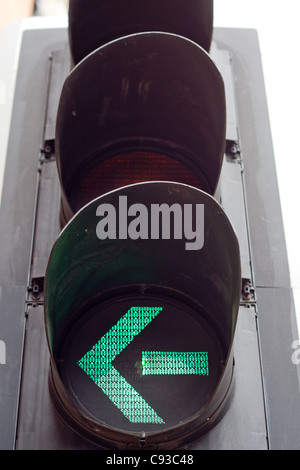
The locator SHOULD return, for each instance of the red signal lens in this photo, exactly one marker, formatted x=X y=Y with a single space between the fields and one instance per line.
x=129 y=168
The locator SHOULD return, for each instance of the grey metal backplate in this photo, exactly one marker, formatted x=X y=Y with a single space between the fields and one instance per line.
x=274 y=300
x=265 y=410
x=17 y=215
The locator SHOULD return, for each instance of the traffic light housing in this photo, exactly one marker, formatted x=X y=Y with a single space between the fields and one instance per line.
x=141 y=108
x=140 y=128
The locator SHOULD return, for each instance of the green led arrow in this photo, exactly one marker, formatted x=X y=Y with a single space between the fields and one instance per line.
x=97 y=364
x=174 y=363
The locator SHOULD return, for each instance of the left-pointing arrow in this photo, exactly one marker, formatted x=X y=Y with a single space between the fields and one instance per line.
x=174 y=363
x=97 y=364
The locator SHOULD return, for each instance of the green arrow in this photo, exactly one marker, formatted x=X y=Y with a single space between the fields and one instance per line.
x=174 y=363
x=97 y=364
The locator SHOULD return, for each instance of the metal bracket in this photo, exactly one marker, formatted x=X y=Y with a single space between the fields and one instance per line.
x=248 y=294
x=233 y=150
x=35 y=292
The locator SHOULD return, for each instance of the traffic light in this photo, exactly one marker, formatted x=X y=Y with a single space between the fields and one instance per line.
x=143 y=285
x=143 y=278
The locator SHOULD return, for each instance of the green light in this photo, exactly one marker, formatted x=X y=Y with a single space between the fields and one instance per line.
x=127 y=399
x=97 y=364
x=174 y=363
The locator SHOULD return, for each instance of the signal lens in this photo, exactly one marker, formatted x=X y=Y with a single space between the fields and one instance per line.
x=129 y=168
